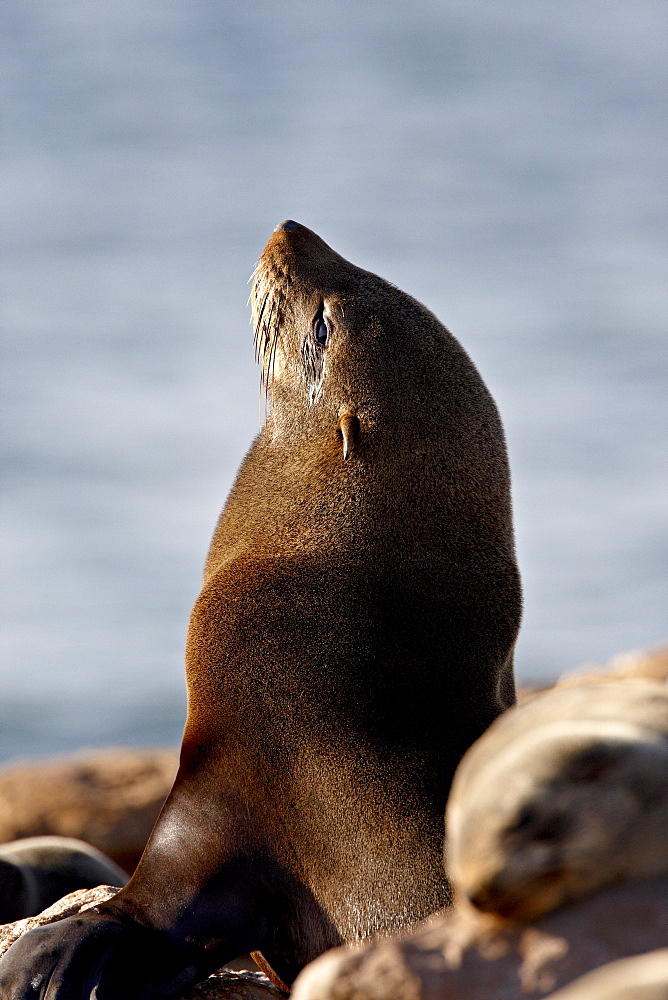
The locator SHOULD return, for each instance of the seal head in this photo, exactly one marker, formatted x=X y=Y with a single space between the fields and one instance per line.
x=562 y=796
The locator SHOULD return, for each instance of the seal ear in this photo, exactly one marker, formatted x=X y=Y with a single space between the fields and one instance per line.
x=349 y=429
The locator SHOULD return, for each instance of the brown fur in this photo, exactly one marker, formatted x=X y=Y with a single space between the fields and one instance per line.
x=353 y=636
x=561 y=796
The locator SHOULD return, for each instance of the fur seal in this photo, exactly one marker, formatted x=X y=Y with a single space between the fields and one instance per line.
x=641 y=977
x=561 y=796
x=353 y=636
x=37 y=871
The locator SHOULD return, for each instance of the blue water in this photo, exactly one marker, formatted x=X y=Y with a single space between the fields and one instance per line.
x=504 y=163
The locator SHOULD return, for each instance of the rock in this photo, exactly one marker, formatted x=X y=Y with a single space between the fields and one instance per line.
x=108 y=798
x=82 y=899
x=644 y=977
x=465 y=955
x=223 y=985
x=636 y=664
x=227 y=985
x=37 y=871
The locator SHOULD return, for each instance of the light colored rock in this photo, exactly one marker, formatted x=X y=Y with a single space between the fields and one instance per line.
x=223 y=985
x=644 y=977
x=635 y=664
x=109 y=798
x=465 y=955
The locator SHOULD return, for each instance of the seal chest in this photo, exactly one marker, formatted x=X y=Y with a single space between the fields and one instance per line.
x=353 y=636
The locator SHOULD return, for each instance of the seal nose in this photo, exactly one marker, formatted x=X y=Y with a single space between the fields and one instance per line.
x=484 y=896
x=288 y=226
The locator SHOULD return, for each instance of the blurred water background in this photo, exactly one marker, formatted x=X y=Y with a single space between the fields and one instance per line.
x=503 y=162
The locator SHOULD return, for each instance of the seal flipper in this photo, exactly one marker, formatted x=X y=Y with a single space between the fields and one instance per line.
x=95 y=954
x=125 y=950
x=201 y=896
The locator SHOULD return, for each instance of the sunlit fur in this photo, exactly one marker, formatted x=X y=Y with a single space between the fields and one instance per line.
x=353 y=636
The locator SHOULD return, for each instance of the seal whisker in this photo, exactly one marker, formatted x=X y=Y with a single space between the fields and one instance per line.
x=260 y=337
x=268 y=345
x=272 y=352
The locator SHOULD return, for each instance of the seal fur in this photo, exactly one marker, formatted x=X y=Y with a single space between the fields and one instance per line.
x=353 y=636
x=37 y=871
x=561 y=796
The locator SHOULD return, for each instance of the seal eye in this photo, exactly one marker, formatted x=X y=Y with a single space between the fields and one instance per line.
x=321 y=330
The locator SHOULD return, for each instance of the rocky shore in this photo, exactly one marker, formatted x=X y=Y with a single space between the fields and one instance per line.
x=111 y=798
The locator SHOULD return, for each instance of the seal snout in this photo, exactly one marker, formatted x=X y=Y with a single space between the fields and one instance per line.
x=484 y=898
x=287 y=226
